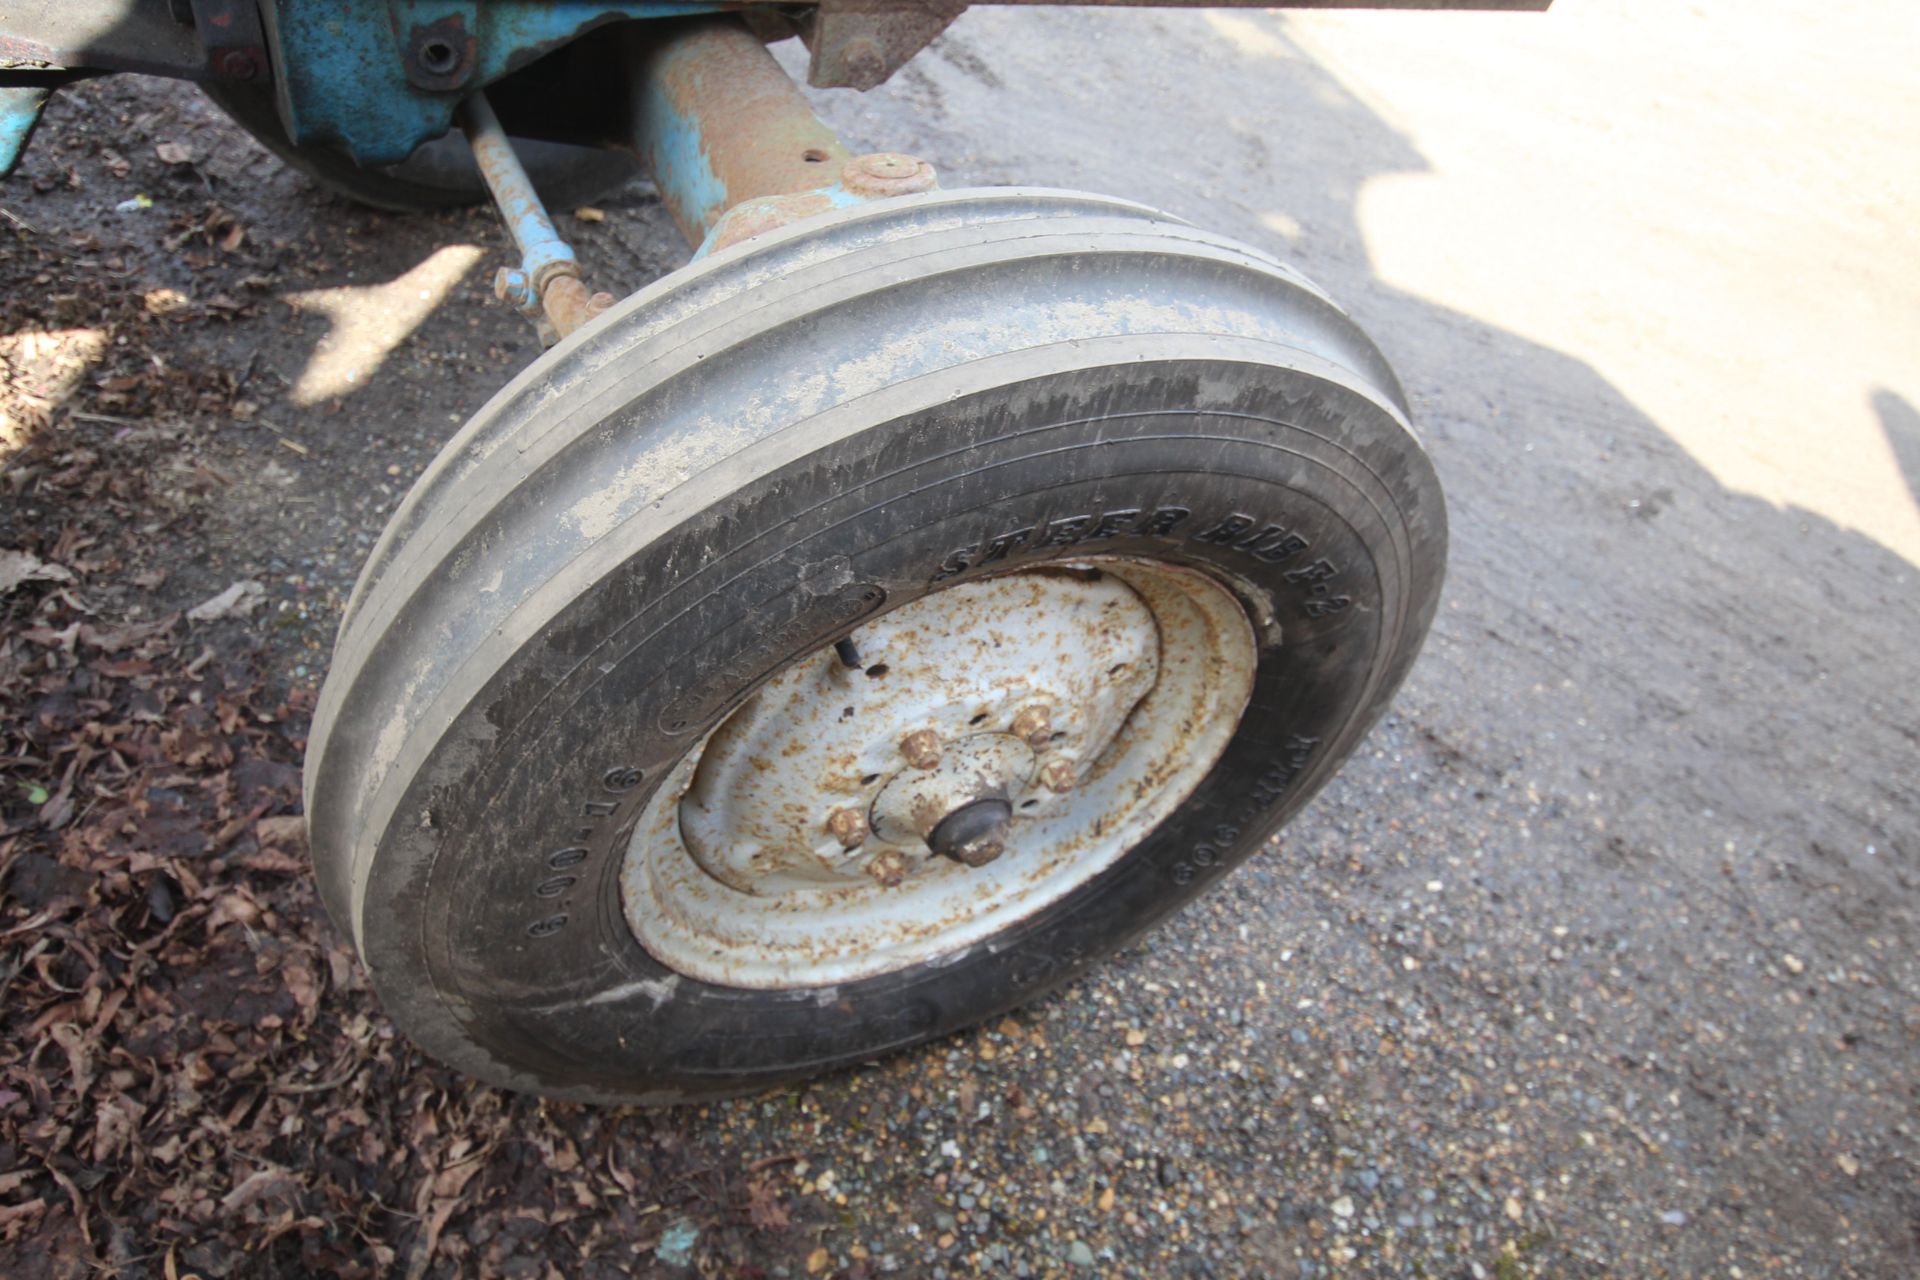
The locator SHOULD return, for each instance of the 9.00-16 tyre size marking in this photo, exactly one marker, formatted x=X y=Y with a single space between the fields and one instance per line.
x=618 y=780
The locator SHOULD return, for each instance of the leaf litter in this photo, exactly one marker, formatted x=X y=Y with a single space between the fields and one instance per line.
x=195 y=1079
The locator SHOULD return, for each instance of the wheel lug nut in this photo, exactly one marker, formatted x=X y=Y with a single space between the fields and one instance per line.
x=921 y=748
x=849 y=827
x=1033 y=726
x=1059 y=776
x=889 y=867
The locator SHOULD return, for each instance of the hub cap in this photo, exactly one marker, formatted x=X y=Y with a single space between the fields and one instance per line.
x=948 y=770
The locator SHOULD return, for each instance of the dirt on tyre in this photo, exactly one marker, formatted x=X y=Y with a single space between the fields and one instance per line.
x=857 y=634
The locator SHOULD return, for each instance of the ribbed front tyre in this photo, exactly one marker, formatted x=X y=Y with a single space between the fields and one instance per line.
x=858 y=633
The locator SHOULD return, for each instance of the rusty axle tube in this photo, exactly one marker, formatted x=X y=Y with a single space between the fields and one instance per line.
x=547 y=282
x=732 y=145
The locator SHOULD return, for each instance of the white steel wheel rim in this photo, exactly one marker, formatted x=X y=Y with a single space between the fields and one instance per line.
x=793 y=846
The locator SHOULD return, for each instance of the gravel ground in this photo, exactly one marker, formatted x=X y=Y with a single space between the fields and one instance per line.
x=1599 y=958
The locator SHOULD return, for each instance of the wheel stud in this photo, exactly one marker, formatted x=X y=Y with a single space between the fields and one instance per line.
x=849 y=827
x=1033 y=726
x=921 y=748
x=889 y=867
x=1059 y=776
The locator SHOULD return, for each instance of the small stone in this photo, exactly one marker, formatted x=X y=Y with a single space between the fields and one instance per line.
x=1794 y=964
x=1848 y=1165
x=817 y=1261
x=1513 y=1208
x=1079 y=1255
x=1343 y=1207
x=1135 y=1037
x=1674 y=1218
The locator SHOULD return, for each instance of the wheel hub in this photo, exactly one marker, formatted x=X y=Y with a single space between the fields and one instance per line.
x=975 y=833
x=987 y=748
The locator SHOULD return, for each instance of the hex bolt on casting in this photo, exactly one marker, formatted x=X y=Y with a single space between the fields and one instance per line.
x=921 y=748
x=1059 y=777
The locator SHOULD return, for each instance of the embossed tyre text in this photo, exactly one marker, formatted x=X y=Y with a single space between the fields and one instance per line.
x=858 y=633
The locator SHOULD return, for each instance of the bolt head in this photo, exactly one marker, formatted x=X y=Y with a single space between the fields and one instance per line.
x=849 y=827
x=863 y=62
x=921 y=748
x=1059 y=777
x=237 y=64
x=510 y=284
x=1033 y=726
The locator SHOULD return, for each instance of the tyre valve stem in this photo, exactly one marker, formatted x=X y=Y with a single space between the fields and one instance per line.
x=849 y=654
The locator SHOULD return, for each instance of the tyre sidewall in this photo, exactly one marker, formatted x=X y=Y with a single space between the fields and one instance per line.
x=1217 y=465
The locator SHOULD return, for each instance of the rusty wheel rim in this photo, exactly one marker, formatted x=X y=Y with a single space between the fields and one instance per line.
x=947 y=771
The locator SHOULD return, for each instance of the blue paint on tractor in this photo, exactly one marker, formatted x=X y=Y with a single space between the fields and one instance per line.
x=19 y=111
x=342 y=64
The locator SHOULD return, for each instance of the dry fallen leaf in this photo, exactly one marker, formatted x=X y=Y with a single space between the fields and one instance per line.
x=764 y=1209
x=17 y=567
x=164 y=302
x=587 y=213
x=238 y=600
x=287 y=832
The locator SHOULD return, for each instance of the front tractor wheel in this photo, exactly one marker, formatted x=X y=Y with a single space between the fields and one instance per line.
x=857 y=634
